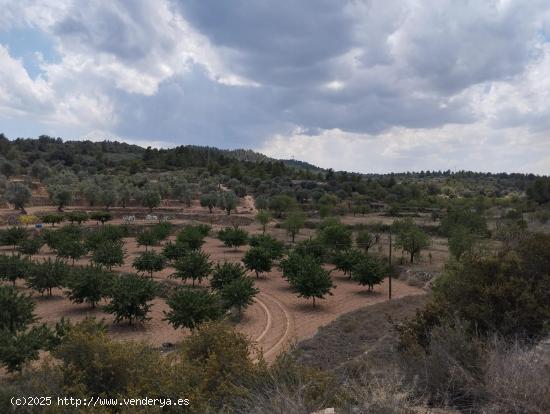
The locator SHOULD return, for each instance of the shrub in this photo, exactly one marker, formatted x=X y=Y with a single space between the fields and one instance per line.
x=27 y=219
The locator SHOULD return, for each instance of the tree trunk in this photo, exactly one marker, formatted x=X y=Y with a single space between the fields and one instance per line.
x=412 y=257
x=313 y=301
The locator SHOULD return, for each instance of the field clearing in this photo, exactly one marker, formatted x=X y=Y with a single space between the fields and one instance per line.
x=278 y=317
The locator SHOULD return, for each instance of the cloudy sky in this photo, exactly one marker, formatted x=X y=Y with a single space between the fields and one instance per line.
x=361 y=85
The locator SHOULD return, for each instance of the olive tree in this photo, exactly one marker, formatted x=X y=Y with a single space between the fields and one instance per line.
x=294 y=223
x=209 y=200
x=18 y=194
x=227 y=201
x=263 y=217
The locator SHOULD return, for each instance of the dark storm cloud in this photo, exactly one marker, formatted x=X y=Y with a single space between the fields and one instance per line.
x=191 y=109
x=283 y=43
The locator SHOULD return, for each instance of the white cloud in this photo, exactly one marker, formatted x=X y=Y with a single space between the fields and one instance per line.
x=18 y=92
x=390 y=85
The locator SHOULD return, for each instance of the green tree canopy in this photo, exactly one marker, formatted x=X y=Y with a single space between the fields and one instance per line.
x=149 y=262
x=13 y=267
x=225 y=273
x=130 y=298
x=89 y=284
x=192 y=236
x=263 y=217
x=410 y=237
x=195 y=265
x=233 y=237
x=46 y=275
x=258 y=259
x=368 y=271
x=227 y=201
x=239 y=293
x=191 y=307
x=311 y=280
x=109 y=254
x=269 y=243
x=293 y=223
x=209 y=200
x=345 y=260
x=18 y=194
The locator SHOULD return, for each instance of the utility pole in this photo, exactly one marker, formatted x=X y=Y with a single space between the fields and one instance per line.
x=390 y=269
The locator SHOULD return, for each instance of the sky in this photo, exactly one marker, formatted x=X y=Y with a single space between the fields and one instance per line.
x=357 y=85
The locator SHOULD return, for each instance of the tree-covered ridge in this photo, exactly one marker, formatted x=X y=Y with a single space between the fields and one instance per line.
x=115 y=174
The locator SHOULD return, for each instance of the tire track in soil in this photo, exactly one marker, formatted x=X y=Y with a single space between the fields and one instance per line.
x=281 y=321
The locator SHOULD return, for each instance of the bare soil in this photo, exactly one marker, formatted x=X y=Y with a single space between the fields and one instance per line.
x=277 y=319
